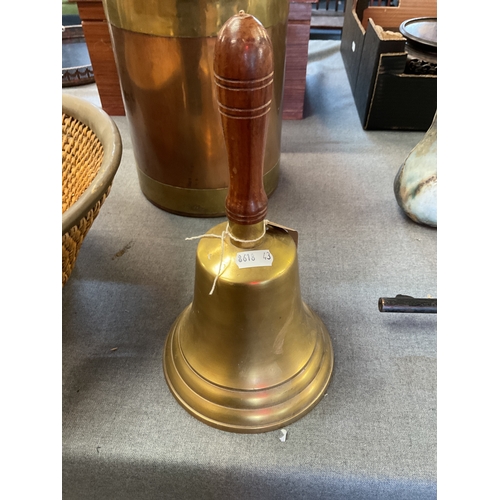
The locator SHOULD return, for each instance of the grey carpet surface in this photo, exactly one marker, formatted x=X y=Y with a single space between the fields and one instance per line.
x=373 y=436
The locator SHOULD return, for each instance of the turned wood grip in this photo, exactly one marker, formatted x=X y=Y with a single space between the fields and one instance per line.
x=243 y=68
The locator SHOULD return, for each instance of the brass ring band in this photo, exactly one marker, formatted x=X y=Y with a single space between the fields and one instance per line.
x=195 y=202
x=188 y=18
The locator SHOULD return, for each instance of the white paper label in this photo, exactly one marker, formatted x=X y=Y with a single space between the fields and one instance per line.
x=254 y=258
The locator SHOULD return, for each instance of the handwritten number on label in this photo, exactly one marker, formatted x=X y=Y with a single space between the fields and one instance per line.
x=254 y=258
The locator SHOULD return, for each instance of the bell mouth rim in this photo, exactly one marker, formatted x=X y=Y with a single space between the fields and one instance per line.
x=272 y=416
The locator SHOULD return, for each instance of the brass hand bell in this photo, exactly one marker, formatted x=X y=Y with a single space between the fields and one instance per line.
x=247 y=355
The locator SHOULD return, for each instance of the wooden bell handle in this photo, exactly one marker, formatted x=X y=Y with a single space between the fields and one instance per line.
x=243 y=67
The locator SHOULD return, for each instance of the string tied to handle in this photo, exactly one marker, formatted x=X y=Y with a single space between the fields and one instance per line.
x=226 y=232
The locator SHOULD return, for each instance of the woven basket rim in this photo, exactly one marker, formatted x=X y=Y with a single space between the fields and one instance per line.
x=108 y=134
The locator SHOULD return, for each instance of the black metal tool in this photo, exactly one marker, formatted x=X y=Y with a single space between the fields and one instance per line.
x=407 y=304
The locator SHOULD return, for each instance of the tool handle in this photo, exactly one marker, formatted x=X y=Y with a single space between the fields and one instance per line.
x=243 y=68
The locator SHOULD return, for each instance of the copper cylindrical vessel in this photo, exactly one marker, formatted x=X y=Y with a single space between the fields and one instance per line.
x=164 y=53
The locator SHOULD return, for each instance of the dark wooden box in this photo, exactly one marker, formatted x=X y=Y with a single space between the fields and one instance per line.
x=386 y=97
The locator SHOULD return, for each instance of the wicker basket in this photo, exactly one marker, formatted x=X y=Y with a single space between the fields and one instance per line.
x=91 y=154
